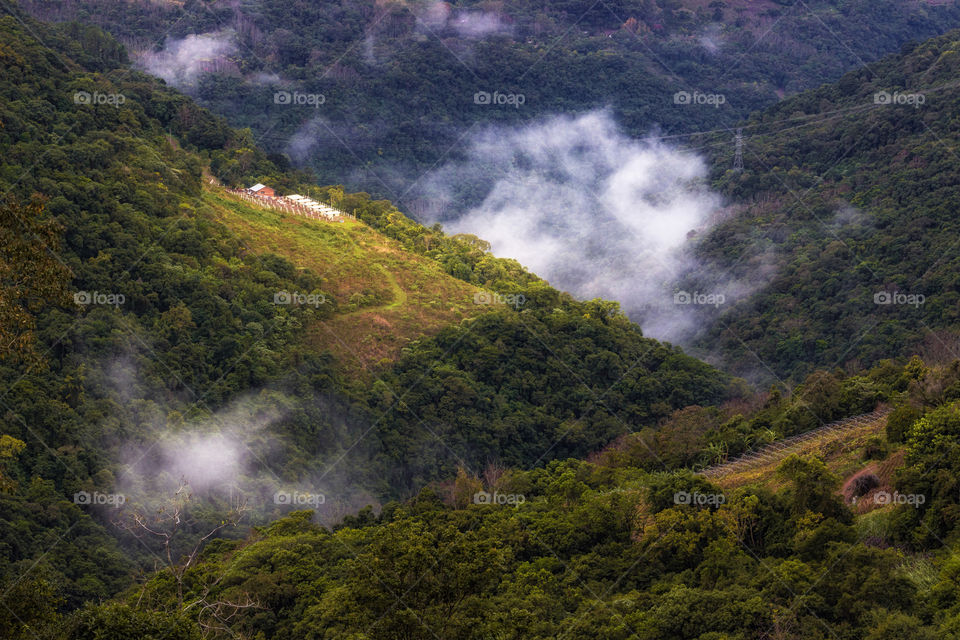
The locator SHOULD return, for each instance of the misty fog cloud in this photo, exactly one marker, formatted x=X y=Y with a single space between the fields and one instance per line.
x=207 y=454
x=234 y=455
x=475 y=24
x=847 y=217
x=264 y=78
x=712 y=39
x=467 y=23
x=594 y=212
x=309 y=136
x=435 y=15
x=182 y=60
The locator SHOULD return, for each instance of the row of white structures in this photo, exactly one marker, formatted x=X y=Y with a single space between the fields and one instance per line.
x=314 y=206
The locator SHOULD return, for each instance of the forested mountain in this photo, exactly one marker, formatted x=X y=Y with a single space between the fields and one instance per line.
x=603 y=549
x=853 y=188
x=394 y=87
x=398 y=81
x=219 y=419
x=144 y=344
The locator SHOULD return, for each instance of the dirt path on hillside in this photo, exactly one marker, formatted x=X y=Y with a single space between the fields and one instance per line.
x=399 y=297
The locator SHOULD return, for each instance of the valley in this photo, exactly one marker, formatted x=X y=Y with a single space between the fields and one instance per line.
x=444 y=407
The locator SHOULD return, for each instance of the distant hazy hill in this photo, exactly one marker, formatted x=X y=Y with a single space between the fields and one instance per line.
x=400 y=82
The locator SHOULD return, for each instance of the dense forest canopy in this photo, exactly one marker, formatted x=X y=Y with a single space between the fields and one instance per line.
x=809 y=219
x=186 y=454
x=151 y=329
x=854 y=187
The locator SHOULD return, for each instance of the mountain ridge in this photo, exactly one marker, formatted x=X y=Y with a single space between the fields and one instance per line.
x=185 y=454
x=857 y=206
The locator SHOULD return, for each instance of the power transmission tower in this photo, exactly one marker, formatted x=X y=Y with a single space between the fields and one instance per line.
x=738 y=153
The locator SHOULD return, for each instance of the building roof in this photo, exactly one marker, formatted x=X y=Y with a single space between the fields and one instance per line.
x=258 y=187
x=313 y=205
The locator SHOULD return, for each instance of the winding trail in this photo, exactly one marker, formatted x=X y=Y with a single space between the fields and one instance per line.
x=399 y=297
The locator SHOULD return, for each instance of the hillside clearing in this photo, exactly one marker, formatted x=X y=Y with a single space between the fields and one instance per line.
x=385 y=296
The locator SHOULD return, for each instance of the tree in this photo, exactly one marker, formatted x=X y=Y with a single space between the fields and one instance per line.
x=10 y=447
x=116 y=621
x=813 y=487
x=900 y=626
x=31 y=276
x=36 y=603
x=171 y=523
x=900 y=421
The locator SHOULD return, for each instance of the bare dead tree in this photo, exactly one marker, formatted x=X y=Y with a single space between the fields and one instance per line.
x=493 y=474
x=170 y=520
x=216 y=618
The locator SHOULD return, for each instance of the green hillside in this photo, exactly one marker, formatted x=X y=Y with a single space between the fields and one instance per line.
x=220 y=421
x=854 y=198
x=143 y=340
x=384 y=295
x=604 y=549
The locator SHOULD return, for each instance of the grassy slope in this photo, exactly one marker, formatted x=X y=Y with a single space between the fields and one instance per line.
x=404 y=296
x=843 y=454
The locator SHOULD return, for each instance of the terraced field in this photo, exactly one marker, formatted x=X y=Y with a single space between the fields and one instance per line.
x=838 y=443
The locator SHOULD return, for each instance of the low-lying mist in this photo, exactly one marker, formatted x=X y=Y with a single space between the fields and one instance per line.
x=232 y=457
x=594 y=212
x=573 y=198
x=182 y=60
